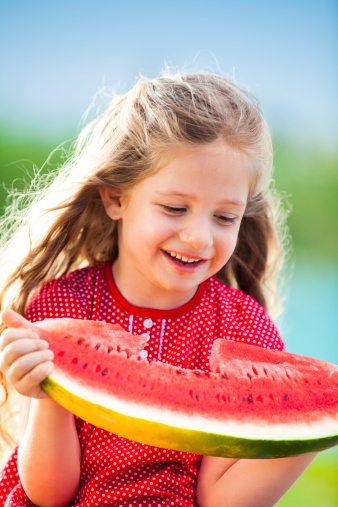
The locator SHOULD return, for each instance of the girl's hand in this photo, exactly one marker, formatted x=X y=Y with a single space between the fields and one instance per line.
x=24 y=359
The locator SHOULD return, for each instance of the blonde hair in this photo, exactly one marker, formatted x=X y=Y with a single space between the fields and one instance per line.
x=66 y=227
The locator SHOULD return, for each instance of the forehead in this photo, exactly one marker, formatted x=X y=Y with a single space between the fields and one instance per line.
x=215 y=169
x=191 y=159
x=192 y=156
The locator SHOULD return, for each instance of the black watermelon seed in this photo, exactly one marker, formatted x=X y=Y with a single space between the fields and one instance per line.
x=250 y=399
x=249 y=376
x=286 y=397
x=96 y=347
x=150 y=360
x=196 y=396
x=139 y=358
x=180 y=371
x=197 y=372
x=128 y=356
x=79 y=342
x=224 y=376
x=104 y=372
x=206 y=372
x=144 y=385
x=85 y=366
x=109 y=350
x=243 y=399
x=229 y=399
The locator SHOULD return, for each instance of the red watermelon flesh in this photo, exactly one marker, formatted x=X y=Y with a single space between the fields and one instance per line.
x=256 y=403
x=82 y=347
x=89 y=335
x=282 y=382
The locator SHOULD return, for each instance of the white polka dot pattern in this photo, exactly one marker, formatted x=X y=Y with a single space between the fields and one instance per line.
x=117 y=471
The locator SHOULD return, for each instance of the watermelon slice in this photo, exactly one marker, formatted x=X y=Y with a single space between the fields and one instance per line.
x=256 y=403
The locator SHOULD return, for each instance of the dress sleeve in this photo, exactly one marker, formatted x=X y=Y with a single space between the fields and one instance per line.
x=252 y=325
x=67 y=296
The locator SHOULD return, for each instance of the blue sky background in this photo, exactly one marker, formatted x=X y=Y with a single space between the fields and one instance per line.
x=56 y=55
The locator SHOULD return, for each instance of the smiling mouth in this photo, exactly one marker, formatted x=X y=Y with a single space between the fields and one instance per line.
x=183 y=260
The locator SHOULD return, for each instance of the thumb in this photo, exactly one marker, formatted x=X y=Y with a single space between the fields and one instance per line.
x=14 y=319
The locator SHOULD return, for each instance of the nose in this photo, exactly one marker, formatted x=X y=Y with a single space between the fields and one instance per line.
x=197 y=233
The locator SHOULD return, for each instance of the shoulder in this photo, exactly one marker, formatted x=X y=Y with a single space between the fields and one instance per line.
x=67 y=296
x=242 y=318
x=233 y=300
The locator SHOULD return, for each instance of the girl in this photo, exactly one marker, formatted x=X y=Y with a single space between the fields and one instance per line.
x=164 y=222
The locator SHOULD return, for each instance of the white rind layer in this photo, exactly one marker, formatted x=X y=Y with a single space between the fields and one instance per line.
x=324 y=428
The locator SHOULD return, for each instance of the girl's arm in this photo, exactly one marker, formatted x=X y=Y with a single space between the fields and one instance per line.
x=49 y=455
x=224 y=482
x=49 y=452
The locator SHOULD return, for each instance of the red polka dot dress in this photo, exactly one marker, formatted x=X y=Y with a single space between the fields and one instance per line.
x=114 y=470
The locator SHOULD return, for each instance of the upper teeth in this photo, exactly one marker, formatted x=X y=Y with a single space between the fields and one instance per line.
x=182 y=258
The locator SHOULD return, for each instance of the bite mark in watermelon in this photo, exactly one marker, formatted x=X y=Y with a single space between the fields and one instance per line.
x=255 y=403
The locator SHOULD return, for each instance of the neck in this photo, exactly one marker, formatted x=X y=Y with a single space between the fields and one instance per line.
x=150 y=297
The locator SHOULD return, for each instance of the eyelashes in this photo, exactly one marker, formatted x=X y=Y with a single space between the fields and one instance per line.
x=227 y=220
x=173 y=210
x=223 y=219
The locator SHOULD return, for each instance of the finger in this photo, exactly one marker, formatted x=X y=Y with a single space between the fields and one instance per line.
x=18 y=348
x=10 y=335
x=24 y=365
x=29 y=385
x=14 y=319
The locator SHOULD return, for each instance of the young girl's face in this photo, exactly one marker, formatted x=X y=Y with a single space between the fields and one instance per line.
x=179 y=225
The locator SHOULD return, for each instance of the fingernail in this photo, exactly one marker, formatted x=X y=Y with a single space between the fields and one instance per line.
x=50 y=354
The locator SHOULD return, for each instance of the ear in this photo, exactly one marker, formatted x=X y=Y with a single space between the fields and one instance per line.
x=111 y=201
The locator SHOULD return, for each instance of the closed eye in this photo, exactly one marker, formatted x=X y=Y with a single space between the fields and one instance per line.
x=173 y=210
x=225 y=219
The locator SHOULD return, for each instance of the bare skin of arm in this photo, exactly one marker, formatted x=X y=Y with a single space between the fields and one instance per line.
x=49 y=453
x=224 y=482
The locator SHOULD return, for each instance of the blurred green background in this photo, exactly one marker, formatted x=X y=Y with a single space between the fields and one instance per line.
x=56 y=56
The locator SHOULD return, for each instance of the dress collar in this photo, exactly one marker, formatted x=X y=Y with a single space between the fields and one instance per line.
x=151 y=312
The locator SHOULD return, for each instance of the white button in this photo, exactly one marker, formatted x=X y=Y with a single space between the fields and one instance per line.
x=148 y=323
x=143 y=353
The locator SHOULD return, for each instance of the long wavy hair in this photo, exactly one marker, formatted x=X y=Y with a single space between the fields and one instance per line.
x=64 y=226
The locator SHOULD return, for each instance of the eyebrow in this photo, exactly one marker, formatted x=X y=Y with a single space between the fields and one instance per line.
x=190 y=196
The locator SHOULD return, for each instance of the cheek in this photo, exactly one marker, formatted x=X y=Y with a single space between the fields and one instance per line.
x=148 y=232
x=159 y=225
x=226 y=242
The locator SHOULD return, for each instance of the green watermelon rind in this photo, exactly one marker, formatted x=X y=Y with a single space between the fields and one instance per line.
x=183 y=439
